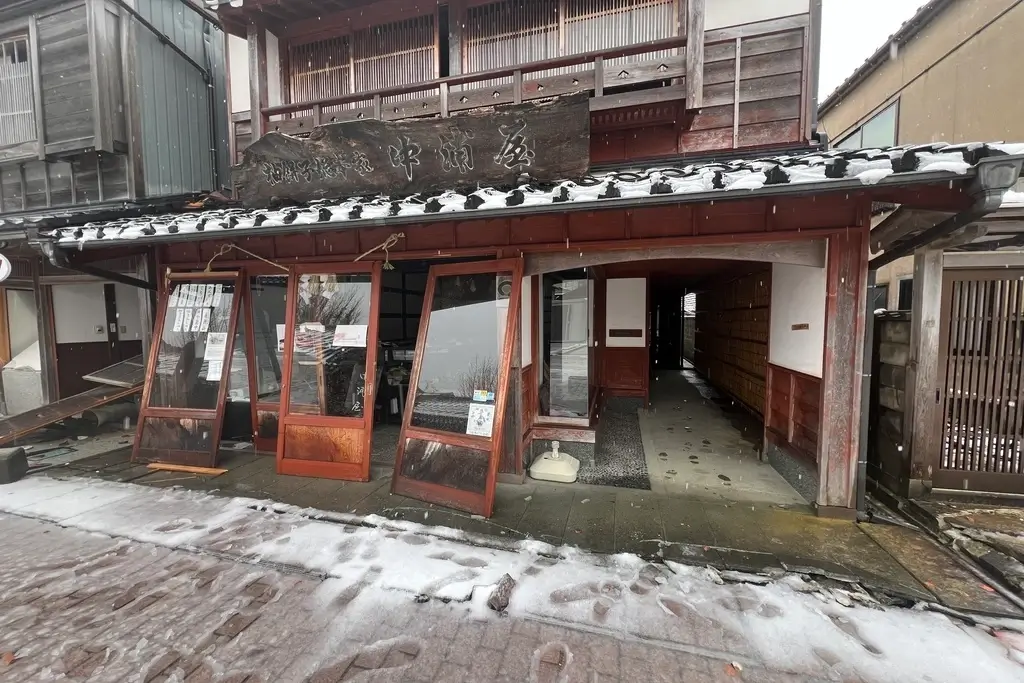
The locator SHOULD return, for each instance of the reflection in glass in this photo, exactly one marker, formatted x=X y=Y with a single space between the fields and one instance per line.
x=462 y=355
x=457 y=467
x=269 y=306
x=238 y=377
x=329 y=358
x=565 y=351
x=193 y=345
x=172 y=439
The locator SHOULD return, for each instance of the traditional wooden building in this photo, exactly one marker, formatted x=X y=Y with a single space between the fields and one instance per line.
x=107 y=108
x=479 y=221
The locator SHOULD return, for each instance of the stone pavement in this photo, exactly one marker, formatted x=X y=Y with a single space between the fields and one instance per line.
x=86 y=607
x=734 y=536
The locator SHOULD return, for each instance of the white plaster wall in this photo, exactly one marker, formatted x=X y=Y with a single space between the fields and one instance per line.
x=722 y=13
x=798 y=298
x=77 y=311
x=526 y=320
x=238 y=73
x=627 y=310
x=129 y=313
x=21 y=319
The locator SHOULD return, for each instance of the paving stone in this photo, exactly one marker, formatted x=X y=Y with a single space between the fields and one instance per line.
x=236 y=624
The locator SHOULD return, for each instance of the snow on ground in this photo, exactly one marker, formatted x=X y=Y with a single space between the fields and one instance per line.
x=787 y=623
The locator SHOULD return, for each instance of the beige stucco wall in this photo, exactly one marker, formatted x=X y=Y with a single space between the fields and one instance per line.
x=890 y=274
x=960 y=79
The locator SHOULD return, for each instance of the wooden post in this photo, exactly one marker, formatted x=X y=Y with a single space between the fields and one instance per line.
x=5 y=332
x=456 y=17
x=923 y=395
x=839 y=435
x=695 y=54
x=258 y=91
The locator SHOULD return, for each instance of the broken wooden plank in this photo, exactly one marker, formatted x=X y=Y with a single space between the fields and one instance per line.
x=166 y=467
x=23 y=424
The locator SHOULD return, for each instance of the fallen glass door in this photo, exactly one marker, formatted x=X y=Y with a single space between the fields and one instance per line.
x=330 y=364
x=182 y=410
x=454 y=422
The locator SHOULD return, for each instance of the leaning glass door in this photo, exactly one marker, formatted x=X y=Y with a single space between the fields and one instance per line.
x=182 y=410
x=452 y=430
x=330 y=362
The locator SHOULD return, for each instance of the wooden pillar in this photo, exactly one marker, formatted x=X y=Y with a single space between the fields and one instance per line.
x=256 y=37
x=839 y=435
x=47 y=335
x=695 y=54
x=456 y=19
x=5 y=332
x=923 y=394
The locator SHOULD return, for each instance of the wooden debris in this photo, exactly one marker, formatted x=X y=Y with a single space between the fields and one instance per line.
x=166 y=467
x=502 y=593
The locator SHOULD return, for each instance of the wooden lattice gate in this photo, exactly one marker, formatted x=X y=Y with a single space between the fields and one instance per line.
x=980 y=360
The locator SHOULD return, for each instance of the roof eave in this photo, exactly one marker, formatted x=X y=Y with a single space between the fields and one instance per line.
x=830 y=186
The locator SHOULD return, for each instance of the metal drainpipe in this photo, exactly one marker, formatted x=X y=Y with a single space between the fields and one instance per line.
x=865 y=395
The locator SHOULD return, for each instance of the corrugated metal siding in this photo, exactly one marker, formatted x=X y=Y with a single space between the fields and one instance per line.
x=178 y=135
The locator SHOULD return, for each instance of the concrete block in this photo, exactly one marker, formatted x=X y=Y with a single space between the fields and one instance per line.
x=894 y=354
x=896 y=331
x=13 y=464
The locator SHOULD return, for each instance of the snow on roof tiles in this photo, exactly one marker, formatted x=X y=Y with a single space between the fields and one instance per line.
x=869 y=166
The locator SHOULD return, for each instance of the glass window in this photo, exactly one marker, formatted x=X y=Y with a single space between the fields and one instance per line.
x=462 y=354
x=269 y=294
x=880 y=131
x=191 y=356
x=457 y=467
x=850 y=141
x=17 y=117
x=564 y=388
x=330 y=337
x=906 y=295
x=881 y=297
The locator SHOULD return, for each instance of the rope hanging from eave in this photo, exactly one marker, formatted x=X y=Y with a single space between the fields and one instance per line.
x=387 y=244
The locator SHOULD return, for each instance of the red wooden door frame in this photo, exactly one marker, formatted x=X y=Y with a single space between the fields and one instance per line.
x=216 y=414
x=359 y=471
x=475 y=503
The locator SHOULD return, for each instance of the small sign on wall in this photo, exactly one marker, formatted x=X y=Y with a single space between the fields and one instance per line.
x=800 y=326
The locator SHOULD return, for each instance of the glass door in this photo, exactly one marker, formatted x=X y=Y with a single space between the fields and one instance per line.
x=182 y=410
x=330 y=366
x=454 y=422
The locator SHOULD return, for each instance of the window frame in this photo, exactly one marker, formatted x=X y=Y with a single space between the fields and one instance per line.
x=894 y=106
x=25 y=27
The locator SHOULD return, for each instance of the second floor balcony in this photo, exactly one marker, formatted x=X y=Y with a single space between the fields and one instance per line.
x=666 y=77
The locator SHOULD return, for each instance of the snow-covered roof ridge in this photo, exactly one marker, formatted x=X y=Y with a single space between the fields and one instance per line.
x=869 y=166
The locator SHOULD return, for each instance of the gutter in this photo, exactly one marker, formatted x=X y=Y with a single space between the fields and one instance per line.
x=783 y=189
x=59 y=259
x=993 y=177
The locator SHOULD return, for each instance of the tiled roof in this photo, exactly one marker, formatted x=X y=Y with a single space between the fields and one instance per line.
x=725 y=180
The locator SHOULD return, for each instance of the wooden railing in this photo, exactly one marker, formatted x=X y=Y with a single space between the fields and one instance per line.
x=661 y=78
x=447 y=99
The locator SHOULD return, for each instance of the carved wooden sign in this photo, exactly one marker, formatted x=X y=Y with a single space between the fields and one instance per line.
x=549 y=141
